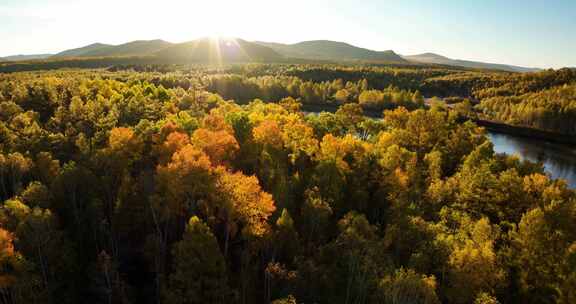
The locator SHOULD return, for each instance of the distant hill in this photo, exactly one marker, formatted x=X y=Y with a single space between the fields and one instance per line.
x=332 y=50
x=134 y=48
x=25 y=57
x=438 y=59
x=81 y=51
x=225 y=50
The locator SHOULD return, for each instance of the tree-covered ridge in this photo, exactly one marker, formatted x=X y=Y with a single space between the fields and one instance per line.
x=543 y=100
x=553 y=109
x=126 y=187
x=480 y=85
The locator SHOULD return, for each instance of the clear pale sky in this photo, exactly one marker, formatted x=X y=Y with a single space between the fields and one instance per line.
x=528 y=33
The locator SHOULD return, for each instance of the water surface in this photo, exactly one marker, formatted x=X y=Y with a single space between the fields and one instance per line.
x=559 y=160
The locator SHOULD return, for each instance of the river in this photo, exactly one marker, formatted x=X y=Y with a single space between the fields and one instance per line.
x=559 y=160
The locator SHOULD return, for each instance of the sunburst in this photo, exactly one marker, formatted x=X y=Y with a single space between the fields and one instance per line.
x=222 y=47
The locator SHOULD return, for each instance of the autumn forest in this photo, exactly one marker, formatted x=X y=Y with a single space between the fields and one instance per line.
x=281 y=183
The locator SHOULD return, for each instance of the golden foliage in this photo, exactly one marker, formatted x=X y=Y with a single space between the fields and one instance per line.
x=174 y=142
x=219 y=145
x=250 y=204
x=125 y=142
x=268 y=133
x=339 y=150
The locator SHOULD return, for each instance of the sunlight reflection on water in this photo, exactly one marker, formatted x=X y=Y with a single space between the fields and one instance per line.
x=559 y=160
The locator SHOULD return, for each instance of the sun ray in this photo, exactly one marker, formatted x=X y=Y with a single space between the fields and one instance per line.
x=195 y=46
x=215 y=53
x=246 y=55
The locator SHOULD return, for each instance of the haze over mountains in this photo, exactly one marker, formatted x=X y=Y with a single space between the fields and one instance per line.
x=238 y=50
x=439 y=59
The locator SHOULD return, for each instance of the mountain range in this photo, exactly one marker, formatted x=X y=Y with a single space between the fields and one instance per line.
x=332 y=50
x=134 y=48
x=224 y=50
x=25 y=57
x=438 y=59
x=238 y=50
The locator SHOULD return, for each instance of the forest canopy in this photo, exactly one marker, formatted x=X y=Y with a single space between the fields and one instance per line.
x=151 y=184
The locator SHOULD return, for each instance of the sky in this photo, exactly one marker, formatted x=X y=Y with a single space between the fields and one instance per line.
x=519 y=32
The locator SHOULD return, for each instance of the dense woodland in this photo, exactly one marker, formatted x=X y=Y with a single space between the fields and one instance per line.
x=545 y=100
x=150 y=184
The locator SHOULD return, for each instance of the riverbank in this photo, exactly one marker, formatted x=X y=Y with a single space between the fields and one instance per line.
x=489 y=125
x=556 y=152
x=527 y=132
